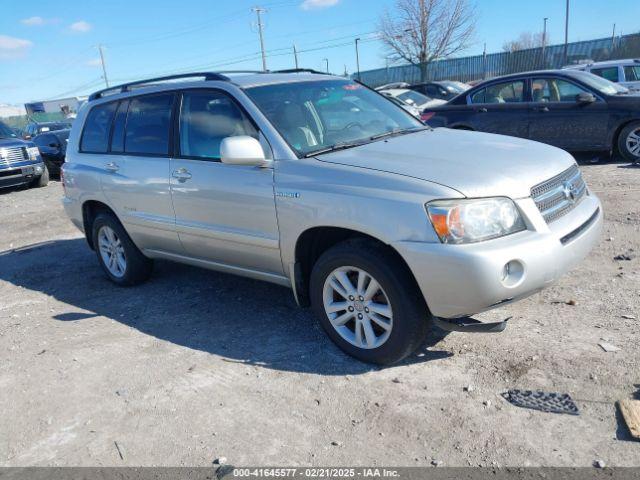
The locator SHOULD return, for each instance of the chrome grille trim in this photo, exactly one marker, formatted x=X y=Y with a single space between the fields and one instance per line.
x=13 y=155
x=560 y=194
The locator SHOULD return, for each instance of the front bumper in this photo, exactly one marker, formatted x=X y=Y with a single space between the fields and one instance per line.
x=20 y=173
x=462 y=280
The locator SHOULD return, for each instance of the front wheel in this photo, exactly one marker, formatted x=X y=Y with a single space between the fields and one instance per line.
x=367 y=301
x=629 y=142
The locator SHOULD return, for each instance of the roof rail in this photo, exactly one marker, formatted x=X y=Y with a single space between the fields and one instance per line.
x=299 y=70
x=125 y=87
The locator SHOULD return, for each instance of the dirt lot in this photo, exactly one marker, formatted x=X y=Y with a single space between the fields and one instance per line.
x=196 y=365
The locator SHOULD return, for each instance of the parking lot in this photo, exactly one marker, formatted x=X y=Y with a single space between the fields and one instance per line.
x=196 y=365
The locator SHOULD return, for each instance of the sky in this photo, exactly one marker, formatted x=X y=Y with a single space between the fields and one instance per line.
x=50 y=49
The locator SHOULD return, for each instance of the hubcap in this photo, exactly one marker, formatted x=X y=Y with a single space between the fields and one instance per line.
x=112 y=252
x=357 y=307
x=633 y=142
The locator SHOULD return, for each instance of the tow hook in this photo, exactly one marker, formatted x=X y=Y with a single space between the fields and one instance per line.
x=470 y=325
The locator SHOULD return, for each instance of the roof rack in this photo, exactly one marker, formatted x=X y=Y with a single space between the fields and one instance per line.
x=299 y=70
x=125 y=87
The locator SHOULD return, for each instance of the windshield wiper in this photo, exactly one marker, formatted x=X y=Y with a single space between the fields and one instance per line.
x=333 y=148
x=392 y=133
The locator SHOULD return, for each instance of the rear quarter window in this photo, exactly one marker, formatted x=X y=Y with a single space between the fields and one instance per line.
x=95 y=135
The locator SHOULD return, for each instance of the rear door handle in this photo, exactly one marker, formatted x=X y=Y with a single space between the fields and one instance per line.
x=182 y=174
x=112 y=166
x=482 y=110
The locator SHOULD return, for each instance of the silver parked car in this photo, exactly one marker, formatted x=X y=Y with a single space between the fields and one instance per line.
x=380 y=223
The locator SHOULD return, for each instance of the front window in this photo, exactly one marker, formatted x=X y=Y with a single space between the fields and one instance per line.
x=316 y=116
x=555 y=90
x=6 y=132
x=632 y=73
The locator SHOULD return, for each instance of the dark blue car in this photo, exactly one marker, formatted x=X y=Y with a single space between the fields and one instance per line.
x=20 y=161
x=573 y=110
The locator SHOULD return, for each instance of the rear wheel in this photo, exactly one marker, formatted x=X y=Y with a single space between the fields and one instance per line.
x=367 y=302
x=629 y=142
x=120 y=259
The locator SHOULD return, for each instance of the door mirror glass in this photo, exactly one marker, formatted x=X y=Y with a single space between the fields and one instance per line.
x=585 y=98
x=242 y=150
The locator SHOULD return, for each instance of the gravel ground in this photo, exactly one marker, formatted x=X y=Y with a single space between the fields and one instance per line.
x=196 y=365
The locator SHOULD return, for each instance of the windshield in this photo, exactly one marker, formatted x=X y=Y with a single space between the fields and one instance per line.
x=414 y=98
x=6 y=132
x=319 y=115
x=600 y=84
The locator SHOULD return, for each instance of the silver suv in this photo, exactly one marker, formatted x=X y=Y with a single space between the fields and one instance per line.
x=381 y=224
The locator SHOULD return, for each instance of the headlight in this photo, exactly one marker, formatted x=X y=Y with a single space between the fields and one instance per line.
x=469 y=221
x=34 y=153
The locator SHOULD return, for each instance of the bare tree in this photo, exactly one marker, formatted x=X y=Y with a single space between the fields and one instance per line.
x=525 y=41
x=420 y=31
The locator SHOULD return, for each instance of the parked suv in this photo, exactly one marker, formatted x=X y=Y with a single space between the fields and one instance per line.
x=625 y=72
x=380 y=223
x=20 y=161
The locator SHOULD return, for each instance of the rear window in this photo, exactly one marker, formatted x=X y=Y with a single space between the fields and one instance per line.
x=632 y=73
x=95 y=136
x=610 y=73
x=148 y=121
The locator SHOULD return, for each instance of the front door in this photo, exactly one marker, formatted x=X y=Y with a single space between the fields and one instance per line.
x=558 y=119
x=500 y=108
x=225 y=214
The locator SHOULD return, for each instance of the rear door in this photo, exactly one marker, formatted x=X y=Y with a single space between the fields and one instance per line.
x=136 y=172
x=500 y=108
x=224 y=213
x=558 y=119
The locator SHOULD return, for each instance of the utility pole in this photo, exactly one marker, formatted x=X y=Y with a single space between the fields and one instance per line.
x=484 y=62
x=326 y=60
x=104 y=68
x=544 y=41
x=613 y=38
x=566 y=36
x=295 y=55
x=259 y=11
x=358 y=58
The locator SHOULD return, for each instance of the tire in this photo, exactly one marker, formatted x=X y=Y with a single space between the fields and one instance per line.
x=407 y=321
x=42 y=180
x=107 y=232
x=629 y=142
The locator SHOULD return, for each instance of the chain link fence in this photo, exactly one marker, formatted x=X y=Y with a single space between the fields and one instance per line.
x=479 y=67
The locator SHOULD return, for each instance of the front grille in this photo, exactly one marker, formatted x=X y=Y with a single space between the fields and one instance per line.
x=13 y=155
x=559 y=195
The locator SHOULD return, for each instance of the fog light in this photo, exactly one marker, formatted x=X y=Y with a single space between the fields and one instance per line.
x=512 y=273
x=38 y=170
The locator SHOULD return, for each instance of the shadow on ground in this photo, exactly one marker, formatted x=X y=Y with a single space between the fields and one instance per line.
x=240 y=319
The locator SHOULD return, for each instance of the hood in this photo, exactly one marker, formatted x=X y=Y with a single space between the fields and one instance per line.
x=14 y=142
x=475 y=164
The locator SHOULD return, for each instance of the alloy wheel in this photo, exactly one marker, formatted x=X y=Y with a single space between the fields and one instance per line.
x=112 y=251
x=357 y=307
x=633 y=142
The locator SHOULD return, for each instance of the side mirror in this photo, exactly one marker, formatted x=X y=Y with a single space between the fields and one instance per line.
x=585 y=98
x=243 y=150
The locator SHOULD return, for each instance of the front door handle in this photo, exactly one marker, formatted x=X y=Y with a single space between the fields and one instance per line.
x=181 y=174
x=542 y=109
x=112 y=166
x=482 y=110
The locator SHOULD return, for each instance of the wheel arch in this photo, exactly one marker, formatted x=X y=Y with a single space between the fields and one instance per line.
x=313 y=242
x=90 y=210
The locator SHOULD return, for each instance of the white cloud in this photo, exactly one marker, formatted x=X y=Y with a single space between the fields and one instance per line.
x=315 y=4
x=94 y=62
x=33 y=21
x=11 y=47
x=80 y=26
